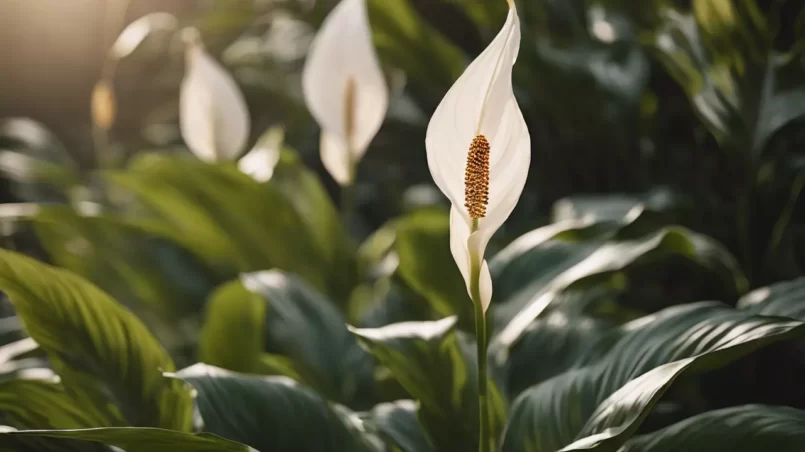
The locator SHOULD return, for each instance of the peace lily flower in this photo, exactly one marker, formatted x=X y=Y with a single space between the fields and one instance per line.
x=344 y=88
x=213 y=115
x=478 y=127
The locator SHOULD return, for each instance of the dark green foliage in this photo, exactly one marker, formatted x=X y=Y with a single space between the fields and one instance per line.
x=655 y=308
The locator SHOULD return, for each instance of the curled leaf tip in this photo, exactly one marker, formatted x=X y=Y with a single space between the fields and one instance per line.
x=476 y=178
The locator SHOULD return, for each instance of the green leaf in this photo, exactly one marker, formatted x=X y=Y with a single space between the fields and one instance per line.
x=36 y=400
x=397 y=423
x=225 y=216
x=786 y=299
x=310 y=199
x=124 y=260
x=743 y=91
x=305 y=326
x=141 y=439
x=432 y=364
x=269 y=413
x=533 y=271
x=427 y=266
x=746 y=428
x=601 y=402
x=548 y=347
x=98 y=347
x=232 y=336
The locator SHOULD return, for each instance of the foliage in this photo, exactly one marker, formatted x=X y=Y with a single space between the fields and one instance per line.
x=188 y=306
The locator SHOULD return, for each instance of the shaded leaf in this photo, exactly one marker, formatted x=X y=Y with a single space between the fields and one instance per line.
x=785 y=299
x=430 y=362
x=225 y=216
x=721 y=55
x=305 y=326
x=531 y=273
x=124 y=260
x=142 y=439
x=548 y=347
x=269 y=413
x=599 y=404
x=397 y=423
x=97 y=346
x=427 y=266
x=746 y=428
x=232 y=336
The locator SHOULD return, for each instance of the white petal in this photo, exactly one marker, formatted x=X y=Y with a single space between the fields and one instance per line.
x=335 y=157
x=343 y=51
x=480 y=102
x=134 y=34
x=459 y=235
x=507 y=176
x=260 y=161
x=460 y=242
x=213 y=115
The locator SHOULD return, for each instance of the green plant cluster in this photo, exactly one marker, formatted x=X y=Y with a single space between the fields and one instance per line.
x=187 y=307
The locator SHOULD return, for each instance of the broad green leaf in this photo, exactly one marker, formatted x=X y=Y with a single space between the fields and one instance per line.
x=721 y=55
x=225 y=216
x=785 y=299
x=548 y=347
x=269 y=413
x=97 y=346
x=602 y=401
x=34 y=399
x=304 y=190
x=140 y=439
x=431 y=363
x=533 y=271
x=397 y=424
x=305 y=326
x=124 y=260
x=746 y=428
x=427 y=266
x=610 y=207
x=232 y=336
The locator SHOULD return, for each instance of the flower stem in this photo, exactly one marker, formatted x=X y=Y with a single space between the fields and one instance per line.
x=484 y=441
x=347 y=204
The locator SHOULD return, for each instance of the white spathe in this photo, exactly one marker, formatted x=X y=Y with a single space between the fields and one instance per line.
x=481 y=102
x=260 y=161
x=344 y=88
x=213 y=116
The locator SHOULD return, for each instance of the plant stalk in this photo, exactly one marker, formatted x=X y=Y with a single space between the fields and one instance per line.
x=347 y=203
x=484 y=441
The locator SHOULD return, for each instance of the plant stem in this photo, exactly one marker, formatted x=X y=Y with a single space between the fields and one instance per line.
x=347 y=203
x=484 y=441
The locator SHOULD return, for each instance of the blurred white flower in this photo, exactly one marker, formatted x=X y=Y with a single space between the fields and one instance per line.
x=260 y=161
x=344 y=88
x=213 y=115
x=478 y=128
x=136 y=32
